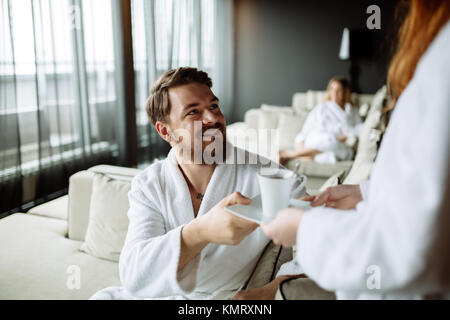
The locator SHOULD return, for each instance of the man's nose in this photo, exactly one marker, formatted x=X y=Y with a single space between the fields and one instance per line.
x=209 y=117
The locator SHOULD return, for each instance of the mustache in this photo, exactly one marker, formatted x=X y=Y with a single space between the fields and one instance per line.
x=217 y=126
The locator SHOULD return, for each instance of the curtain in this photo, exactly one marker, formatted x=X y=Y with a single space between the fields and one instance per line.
x=172 y=33
x=58 y=96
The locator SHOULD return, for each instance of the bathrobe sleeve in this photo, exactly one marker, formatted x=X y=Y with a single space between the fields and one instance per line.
x=398 y=233
x=364 y=188
x=149 y=260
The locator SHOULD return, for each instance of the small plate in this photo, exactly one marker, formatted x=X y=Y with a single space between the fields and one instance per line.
x=253 y=212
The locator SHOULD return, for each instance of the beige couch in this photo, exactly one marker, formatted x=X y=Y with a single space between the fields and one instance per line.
x=41 y=253
x=269 y=128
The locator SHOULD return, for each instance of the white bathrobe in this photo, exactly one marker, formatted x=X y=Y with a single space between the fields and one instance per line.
x=160 y=205
x=323 y=126
x=395 y=244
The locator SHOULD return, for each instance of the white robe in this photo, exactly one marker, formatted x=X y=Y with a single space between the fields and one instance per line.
x=395 y=244
x=323 y=126
x=160 y=205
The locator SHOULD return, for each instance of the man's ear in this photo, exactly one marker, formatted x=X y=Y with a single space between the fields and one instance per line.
x=164 y=131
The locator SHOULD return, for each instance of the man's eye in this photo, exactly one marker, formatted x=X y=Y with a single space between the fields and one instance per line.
x=192 y=112
x=214 y=106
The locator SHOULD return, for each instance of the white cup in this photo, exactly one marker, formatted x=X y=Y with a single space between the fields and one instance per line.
x=278 y=188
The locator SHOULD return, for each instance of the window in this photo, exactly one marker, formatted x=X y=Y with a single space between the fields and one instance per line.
x=57 y=76
x=58 y=93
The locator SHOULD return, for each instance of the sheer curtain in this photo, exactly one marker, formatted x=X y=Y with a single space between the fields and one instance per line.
x=58 y=95
x=172 y=33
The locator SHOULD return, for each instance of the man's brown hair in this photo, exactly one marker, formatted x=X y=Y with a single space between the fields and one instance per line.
x=158 y=104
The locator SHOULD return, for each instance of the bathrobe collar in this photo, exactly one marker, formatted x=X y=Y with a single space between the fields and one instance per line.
x=224 y=175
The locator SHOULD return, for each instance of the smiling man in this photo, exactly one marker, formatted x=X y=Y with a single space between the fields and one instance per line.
x=181 y=243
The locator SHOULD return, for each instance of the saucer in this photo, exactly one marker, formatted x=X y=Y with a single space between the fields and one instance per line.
x=253 y=212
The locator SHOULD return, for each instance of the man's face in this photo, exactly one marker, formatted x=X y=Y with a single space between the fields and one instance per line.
x=195 y=111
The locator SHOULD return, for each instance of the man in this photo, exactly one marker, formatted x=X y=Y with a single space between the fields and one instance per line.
x=181 y=243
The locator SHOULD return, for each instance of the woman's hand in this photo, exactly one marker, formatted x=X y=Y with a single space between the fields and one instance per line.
x=283 y=229
x=344 y=197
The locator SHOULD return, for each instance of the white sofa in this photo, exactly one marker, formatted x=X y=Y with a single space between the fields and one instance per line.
x=287 y=119
x=41 y=255
x=285 y=122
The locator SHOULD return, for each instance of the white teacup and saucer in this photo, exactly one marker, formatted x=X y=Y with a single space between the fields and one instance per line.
x=279 y=190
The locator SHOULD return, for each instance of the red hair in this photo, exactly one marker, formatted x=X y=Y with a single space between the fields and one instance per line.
x=423 y=21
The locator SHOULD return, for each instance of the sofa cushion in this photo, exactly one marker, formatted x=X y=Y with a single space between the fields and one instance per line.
x=39 y=262
x=80 y=190
x=108 y=221
x=241 y=136
x=379 y=100
x=364 y=159
x=277 y=109
x=56 y=209
x=363 y=110
x=289 y=126
x=299 y=102
x=251 y=118
x=313 y=98
x=269 y=117
x=235 y=132
x=363 y=98
x=368 y=141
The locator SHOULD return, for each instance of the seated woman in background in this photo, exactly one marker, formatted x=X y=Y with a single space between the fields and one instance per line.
x=329 y=128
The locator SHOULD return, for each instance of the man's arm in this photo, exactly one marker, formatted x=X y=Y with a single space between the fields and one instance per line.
x=216 y=226
x=191 y=243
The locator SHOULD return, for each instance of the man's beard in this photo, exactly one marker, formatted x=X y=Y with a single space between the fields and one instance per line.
x=208 y=148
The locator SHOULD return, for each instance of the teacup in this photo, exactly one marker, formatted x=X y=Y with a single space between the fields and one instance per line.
x=278 y=188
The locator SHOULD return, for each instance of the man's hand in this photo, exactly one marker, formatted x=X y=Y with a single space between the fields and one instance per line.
x=283 y=229
x=217 y=226
x=221 y=227
x=344 y=197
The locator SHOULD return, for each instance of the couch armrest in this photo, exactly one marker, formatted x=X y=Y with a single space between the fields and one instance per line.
x=80 y=190
x=302 y=289
x=268 y=265
x=324 y=170
x=56 y=208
